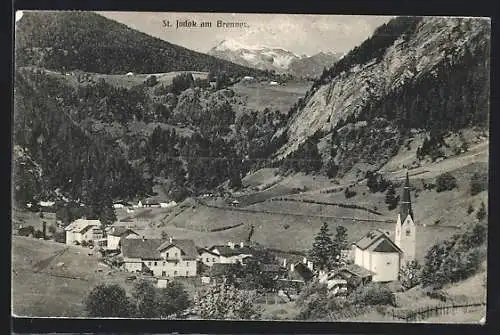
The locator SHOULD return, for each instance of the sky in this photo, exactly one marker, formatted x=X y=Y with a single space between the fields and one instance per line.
x=299 y=33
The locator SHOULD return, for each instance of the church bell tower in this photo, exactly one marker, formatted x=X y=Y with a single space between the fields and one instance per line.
x=405 y=235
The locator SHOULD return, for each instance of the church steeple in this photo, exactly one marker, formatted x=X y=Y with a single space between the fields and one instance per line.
x=405 y=208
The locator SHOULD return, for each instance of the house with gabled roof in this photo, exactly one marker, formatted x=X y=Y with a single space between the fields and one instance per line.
x=207 y=257
x=83 y=230
x=115 y=234
x=161 y=258
x=232 y=253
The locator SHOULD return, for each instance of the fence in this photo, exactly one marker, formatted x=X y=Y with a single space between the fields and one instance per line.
x=338 y=204
x=432 y=311
x=247 y=210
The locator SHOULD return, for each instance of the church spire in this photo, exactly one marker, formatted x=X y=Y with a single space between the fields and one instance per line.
x=405 y=208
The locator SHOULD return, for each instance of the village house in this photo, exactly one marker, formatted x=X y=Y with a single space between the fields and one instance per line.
x=336 y=284
x=208 y=257
x=161 y=258
x=115 y=234
x=354 y=275
x=295 y=278
x=377 y=253
x=83 y=230
x=232 y=253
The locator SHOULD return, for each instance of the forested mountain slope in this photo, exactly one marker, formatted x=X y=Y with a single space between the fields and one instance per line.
x=427 y=74
x=53 y=153
x=89 y=42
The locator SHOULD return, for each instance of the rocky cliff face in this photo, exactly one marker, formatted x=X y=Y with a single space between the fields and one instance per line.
x=430 y=43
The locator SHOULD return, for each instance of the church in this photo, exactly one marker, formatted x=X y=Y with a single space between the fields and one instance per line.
x=379 y=254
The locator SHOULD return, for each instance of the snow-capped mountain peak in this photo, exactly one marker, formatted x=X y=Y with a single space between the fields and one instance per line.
x=258 y=56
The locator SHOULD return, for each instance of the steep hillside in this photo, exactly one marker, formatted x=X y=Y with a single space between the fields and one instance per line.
x=428 y=74
x=313 y=66
x=54 y=152
x=89 y=42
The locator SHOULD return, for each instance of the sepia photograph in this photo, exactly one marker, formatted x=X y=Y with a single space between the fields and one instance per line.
x=247 y=166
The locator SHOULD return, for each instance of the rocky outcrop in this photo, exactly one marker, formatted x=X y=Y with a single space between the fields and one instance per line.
x=434 y=41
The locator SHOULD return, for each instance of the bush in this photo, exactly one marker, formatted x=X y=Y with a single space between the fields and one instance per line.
x=454 y=259
x=445 y=182
x=27 y=231
x=52 y=229
x=151 y=81
x=470 y=209
x=108 y=301
x=481 y=213
x=373 y=294
x=349 y=193
x=38 y=234
x=84 y=243
x=478 y=183
x=410 y=274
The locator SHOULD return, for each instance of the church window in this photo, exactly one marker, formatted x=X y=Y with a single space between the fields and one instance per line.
x=408 y=232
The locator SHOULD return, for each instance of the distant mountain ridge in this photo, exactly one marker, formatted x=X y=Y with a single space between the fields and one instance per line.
x=90 y=42
x=271 y=58
x=313 y=66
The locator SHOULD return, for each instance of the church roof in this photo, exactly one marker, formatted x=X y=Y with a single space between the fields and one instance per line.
x=405 y=208
x=384 y=245
x=368 y=239
x=378 y=241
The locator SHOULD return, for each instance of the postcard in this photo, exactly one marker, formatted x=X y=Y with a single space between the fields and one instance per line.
x=277 y=167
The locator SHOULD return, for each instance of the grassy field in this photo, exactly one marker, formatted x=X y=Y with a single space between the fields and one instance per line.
x=261 y=95
x=42 y=286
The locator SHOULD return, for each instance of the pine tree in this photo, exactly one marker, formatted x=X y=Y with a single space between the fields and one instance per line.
x=390 y=198
x=322 y=250
x=339 y=242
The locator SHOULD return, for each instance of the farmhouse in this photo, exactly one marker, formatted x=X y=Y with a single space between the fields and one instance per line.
x=116 y=234
x=208 y=257
x=335 y=284
x=354 y=275
x=377 y=253
x=232 y=253
x=170 y=258
x=83 y=230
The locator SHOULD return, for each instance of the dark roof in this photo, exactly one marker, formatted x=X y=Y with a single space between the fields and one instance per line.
x=357 y=270
x=405 y=207
x=188 y=248
x=227 y=251
x=139 y=248
x=202 y=250
x=384 y=245
x=370 y=238
x=120 y=231
x=303 y=272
